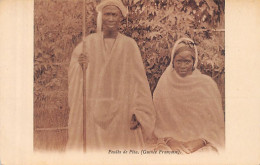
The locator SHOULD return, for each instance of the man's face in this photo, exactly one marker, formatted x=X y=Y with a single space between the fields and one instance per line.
x=111 y=17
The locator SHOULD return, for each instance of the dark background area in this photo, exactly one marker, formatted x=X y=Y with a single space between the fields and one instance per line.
x=154 y=24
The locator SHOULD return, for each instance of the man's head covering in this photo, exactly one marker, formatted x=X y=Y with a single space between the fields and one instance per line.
x=104 y=3
x=117 y=3
x=185 y=44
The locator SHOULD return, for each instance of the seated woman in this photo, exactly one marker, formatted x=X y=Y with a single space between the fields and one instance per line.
x=188 y=105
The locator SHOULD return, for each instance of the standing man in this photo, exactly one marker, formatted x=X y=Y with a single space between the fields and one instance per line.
x=120 y=110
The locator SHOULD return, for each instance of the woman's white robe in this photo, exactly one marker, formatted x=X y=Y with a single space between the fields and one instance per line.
x=117 y=87
x=189 y=108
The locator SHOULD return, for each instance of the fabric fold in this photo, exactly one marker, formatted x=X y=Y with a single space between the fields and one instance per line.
x=189 y=108
x=116 y=89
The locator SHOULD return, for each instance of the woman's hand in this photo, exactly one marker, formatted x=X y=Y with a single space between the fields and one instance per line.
x=175 y=145
x=134 y=123
x=162 y=147
x=192 y=146
x=83 y=59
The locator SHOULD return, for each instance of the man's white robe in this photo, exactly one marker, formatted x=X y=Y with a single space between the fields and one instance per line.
x=117 y=88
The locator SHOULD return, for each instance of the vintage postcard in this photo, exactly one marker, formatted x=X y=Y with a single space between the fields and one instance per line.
x=129 y=82
x=123 y=76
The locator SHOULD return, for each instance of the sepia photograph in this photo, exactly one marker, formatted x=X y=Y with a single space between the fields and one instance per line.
x=135 y=75
x=129 y=82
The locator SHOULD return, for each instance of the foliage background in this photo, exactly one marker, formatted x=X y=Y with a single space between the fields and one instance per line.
x=154 y=24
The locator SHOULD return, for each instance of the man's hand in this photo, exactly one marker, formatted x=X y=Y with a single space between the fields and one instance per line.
x=134 y=123
x=83 y=59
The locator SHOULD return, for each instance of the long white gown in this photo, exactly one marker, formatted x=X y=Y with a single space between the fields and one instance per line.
x=117 y=87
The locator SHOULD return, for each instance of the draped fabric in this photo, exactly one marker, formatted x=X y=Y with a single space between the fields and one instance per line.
x=117 y=88
x=189 y=108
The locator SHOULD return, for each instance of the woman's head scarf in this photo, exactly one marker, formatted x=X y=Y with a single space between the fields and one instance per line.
x=104 y=3
x=183 y=44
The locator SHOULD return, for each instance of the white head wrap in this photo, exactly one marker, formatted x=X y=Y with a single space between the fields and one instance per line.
x=103 y=3
x=176 y=46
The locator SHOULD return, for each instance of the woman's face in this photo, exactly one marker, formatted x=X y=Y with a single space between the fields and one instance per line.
x=183 y=63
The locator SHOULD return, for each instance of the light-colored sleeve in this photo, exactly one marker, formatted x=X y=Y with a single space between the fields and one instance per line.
x=216 y=106
x=75 y=100
x=143 y=104
x=75 y=77
x=160 y=130
x=213 y=129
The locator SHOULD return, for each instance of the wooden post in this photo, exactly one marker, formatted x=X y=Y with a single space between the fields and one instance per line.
x=84 y=67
